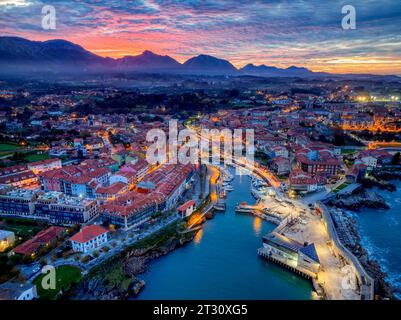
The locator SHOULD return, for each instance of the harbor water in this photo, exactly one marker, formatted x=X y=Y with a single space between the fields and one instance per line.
x=222 y=261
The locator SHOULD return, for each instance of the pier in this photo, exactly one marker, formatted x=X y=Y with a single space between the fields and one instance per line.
x=262 y=252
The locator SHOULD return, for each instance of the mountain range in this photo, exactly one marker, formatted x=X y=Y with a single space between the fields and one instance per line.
x=23 y=56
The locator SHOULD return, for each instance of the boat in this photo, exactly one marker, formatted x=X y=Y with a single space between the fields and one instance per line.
x=228 y=188
x=227 y=178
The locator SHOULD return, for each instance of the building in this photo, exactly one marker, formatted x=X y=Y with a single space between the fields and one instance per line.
x=18 y=176
x=370 y=161
x=17 y=291
x=7 y=239
x=318 y=161
x=43 y=238
x=376 y=157
x=281 y=166
x=62 y=209
x=80 y=148
x=17 y=202
x=356 y=172
x=304 y=182
x=44 y=165
x=139 y=169
x=157 y=192
x=112 y=191
x=76 y=180
x=301 y=258
x=280 y=151
x=89 y=238
x=186 y=209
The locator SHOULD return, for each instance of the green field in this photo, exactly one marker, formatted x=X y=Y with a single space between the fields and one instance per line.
x=8 y=147
x=341 y=187
x=348 y=151
x=37 y=157
x=25 y=229
x=65 y=276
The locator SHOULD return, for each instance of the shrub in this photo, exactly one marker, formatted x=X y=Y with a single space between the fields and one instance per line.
x=43 y=261
x=85 y=259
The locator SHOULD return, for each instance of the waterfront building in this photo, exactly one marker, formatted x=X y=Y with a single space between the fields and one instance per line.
x=369 y=161
x=157 y=192
x=303 y=182
x=89 y=238
x=356 y=172
x=302 y=258
x=382 y=157
x=7 y=239
x=186 y=209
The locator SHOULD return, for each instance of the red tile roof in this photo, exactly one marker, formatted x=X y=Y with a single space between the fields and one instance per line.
x=88 y=233
x=186 y=205
x=45 y=236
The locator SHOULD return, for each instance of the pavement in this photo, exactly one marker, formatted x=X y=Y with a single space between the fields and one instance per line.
x=334 y=274
x=33 y=270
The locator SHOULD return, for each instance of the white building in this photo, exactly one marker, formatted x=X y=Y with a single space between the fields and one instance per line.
x=370 y=161
x=186 y=209
x=16 y=291
x=89 y=238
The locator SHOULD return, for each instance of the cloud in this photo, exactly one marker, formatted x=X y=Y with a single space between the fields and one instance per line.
x=275 y=32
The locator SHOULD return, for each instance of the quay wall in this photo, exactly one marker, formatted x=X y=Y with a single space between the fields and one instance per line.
x=365 y=281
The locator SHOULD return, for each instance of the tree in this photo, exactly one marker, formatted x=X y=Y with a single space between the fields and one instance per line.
x=43 y=261
x=396 y=159
x=21 y=278
x=85 y=259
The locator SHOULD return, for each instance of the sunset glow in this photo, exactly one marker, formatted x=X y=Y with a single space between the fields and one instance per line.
x=275 y=33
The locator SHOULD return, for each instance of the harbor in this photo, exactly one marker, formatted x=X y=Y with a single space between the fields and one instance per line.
x=208 y=268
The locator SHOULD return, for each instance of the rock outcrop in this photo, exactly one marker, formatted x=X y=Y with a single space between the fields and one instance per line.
x=361 y=199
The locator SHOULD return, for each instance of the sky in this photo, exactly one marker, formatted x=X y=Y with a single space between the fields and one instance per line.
x=278 y=33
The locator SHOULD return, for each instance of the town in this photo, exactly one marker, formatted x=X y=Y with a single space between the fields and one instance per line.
x=76 y=188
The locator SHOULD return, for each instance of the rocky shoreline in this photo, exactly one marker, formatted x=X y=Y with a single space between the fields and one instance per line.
x=117 y=278
x=363 y=198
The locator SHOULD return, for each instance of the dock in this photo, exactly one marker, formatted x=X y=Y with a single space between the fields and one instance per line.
x=243 y=207
x=282 y=263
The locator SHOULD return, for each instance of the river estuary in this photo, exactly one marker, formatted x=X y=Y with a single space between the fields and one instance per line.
x=222 y=263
